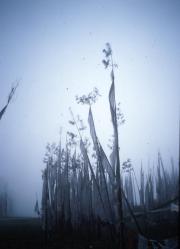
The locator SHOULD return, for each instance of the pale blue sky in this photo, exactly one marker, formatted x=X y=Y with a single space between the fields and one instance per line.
x=53 y=45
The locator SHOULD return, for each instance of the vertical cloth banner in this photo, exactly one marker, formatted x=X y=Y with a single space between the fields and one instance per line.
x=3 y=111
x=103 y=165
x=13 y=89
x=99 y=150
x=115 y=153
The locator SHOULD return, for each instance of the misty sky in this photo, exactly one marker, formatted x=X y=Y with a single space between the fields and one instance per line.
x=54 y=49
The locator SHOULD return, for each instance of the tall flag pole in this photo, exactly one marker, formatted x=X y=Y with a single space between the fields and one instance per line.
x=115 y=155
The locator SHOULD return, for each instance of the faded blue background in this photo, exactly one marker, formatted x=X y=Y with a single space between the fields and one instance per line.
x=54 y=49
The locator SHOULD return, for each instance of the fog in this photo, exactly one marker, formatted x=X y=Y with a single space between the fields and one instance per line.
x=54 y=50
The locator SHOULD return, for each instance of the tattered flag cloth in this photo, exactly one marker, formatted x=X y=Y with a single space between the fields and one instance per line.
x=99 y=150
x=107 y=165
x=115 y=153
x=92 y=130
x=112 y=103
x=3 y=111
x=13 y=89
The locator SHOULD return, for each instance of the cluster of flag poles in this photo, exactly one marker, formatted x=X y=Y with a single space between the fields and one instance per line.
x=79 y=195
x=75 y=190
